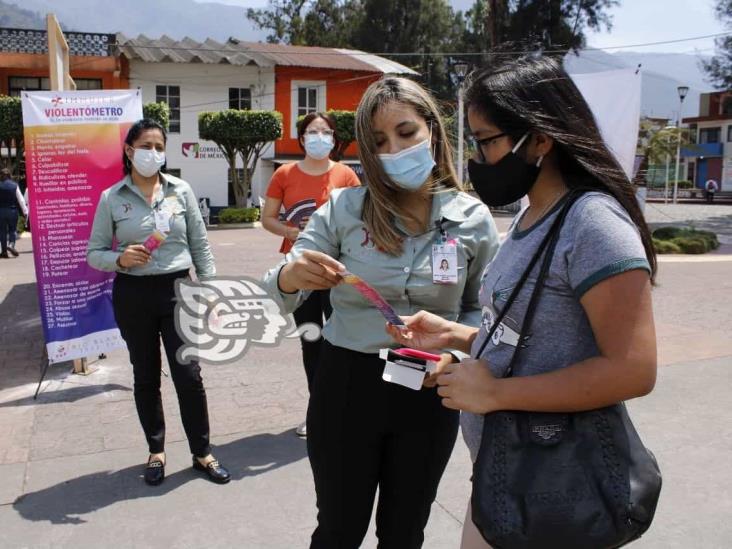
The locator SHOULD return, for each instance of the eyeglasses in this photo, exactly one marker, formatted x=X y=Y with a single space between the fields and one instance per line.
x=476 y=143
x=328 y=133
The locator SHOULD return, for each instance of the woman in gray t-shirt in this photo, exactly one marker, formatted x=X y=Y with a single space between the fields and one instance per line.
x=592 y=341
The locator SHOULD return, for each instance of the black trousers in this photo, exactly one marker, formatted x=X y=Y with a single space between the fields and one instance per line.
x=314 y=309
x=365 y=433
x=8 y=216
x=143 y=308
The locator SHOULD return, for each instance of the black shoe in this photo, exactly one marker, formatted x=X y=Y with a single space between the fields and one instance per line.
x=154 y=472
x=216 y=473
x=4 y=255
x=13 y=251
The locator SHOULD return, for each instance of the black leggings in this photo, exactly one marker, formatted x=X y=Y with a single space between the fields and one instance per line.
x=365 y=433
x=314 y=309
x=143 y=308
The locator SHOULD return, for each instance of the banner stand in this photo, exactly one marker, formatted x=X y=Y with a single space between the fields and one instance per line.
x=81 y=367
x=45 y=363
x=83 y=364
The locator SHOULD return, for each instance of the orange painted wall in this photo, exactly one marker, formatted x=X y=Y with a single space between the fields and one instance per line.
x=109 y=70
x=343 y=92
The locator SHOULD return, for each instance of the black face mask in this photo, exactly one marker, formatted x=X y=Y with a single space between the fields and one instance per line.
x=506 y=181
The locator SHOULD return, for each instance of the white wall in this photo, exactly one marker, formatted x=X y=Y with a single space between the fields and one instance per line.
x=205 y=87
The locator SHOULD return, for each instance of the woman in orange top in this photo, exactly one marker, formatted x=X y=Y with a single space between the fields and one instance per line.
x=302 y=187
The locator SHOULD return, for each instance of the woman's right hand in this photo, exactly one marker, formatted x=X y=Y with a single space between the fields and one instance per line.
x=134 y=256
x=311 y=271
x=424 y=331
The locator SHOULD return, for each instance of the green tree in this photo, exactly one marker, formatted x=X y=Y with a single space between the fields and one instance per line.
x=243 y=134
x=719 y=68
x=659 y=146
x=664 y=141
x=11 y=132
x=345 y=122
x=332 y=23
x=282 y=18
x=533 y=24
x=324 y=23
x=160 y=112
x=428 y=27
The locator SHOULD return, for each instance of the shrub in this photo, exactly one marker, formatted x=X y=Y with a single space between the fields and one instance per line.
x=160 y=112
x=666 y=247
x=708 y=236
x=691 y=244
x=238 y=215
x=688 y=239
x=667 y=233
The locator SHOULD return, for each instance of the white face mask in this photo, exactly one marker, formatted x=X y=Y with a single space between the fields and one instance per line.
x=319 y=145
x=148 y=161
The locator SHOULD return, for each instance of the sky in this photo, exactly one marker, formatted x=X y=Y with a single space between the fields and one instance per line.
x=634 y=22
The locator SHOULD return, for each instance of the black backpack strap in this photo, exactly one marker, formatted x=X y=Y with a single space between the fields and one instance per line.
x=546 y=248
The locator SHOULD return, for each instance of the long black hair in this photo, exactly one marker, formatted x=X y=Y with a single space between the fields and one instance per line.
x=134 y=132
x=535 y=94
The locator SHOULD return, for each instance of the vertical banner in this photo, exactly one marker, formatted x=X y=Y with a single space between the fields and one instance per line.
x=73 y=151
x=615 y=100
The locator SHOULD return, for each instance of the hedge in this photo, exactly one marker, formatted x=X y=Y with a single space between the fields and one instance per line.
x=685 y=240
x=238 y=215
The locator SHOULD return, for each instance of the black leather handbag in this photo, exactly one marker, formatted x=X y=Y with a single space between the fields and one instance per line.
x=561 y=480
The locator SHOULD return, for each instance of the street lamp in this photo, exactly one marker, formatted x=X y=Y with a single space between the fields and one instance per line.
x=682 y=90
x=461 y=70
x=668 y=161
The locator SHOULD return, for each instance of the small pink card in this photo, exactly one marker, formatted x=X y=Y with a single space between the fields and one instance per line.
x=374 y=297
x=154 y=241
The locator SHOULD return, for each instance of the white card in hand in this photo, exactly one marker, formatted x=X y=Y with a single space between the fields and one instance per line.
x=403 y=375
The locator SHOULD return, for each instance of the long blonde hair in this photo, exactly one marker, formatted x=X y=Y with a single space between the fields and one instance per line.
x=381 y=205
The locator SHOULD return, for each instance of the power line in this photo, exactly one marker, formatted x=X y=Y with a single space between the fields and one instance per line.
x=357 y=53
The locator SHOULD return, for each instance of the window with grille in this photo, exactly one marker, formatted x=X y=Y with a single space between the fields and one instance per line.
x=240 y=98
x=171 y=96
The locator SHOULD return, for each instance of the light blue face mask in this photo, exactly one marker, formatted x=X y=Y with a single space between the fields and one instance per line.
x=411 y=167
x=319 y=145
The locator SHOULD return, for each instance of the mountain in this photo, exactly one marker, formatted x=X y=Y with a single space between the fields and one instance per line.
x=661 y=74
x=15 y=17
x=176 y=18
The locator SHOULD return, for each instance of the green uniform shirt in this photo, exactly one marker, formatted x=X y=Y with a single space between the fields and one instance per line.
x=405 y=281
x=124 y=215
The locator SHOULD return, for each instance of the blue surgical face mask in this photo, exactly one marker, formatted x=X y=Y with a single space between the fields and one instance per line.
x=319 y=145
x=411 y=167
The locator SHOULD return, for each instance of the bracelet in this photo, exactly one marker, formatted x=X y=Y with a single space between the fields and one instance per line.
x=279 y=288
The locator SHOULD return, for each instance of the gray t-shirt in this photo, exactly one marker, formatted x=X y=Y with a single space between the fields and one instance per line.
x=598 y=240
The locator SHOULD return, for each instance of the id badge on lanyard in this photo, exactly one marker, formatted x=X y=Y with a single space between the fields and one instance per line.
x=162 y=215
x=445 y=260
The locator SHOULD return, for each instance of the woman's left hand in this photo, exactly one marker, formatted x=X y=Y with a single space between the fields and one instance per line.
x=469 y=386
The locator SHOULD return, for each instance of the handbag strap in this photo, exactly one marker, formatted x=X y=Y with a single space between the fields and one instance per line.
x=546 y=248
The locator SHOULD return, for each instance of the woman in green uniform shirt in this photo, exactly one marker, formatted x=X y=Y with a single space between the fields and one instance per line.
x=143 y=296
x=363 y=432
